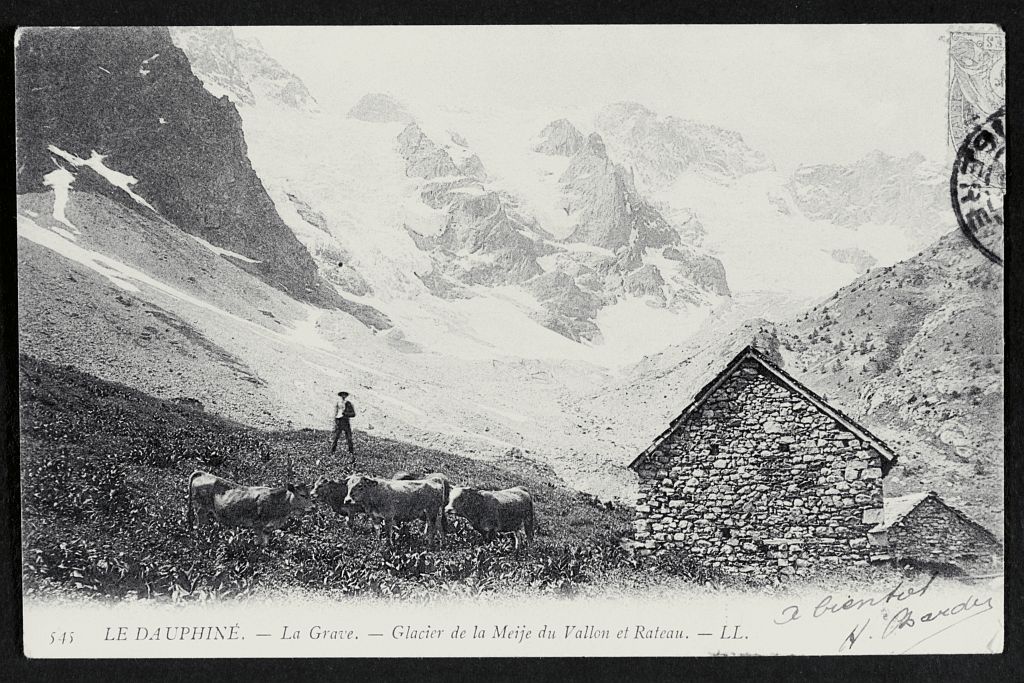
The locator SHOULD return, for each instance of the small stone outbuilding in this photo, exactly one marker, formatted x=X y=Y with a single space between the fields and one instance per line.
x=922 y=528
x=760 y=474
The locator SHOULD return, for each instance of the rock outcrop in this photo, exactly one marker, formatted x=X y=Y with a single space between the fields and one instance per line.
x=563 y=295
x=139 y=105
x=473 y=168
x=485 y=239
x=646 y=281
x=560 y=138
x=489 y=240
x=424 y=158
x=611 y=213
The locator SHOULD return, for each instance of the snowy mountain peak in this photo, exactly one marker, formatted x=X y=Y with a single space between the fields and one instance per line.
x=559 y=138
x=661 y=149
x=240 y=68
x=380 y=108
x=622 y=114
x=879 y=189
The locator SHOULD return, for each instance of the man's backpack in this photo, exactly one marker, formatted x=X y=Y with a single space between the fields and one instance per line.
x=349 y=410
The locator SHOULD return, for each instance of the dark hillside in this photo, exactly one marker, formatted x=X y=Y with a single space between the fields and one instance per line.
x=104 y=470
x=916 y=350
x=129 y=94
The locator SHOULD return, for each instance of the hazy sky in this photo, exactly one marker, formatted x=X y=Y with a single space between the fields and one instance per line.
x=799 y=93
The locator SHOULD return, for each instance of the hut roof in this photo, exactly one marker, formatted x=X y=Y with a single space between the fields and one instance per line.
x=749 y=352
x=896 y=509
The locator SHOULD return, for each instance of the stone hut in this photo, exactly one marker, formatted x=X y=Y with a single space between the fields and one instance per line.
x=922 y=528
x=760 y=474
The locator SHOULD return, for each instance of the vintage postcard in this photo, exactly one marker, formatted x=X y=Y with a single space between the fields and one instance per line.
x=408 y=341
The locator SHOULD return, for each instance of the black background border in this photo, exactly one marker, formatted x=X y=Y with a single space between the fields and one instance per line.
x=15 y=667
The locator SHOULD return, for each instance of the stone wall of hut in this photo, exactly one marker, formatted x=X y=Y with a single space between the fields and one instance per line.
x=759 y=479
x=933 y=532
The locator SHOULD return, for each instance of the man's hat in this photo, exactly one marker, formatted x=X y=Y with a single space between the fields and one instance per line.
x=343 y=394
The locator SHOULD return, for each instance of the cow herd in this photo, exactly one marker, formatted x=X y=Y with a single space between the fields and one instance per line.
x=405 y=497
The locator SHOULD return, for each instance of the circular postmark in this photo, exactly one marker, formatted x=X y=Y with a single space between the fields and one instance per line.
x=978 y=184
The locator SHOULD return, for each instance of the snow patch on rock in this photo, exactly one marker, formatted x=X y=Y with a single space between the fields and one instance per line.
x=60 y=180
x=223 y=252
x=115 y=178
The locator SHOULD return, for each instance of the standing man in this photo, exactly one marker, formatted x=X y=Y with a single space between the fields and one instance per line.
x=343 y=411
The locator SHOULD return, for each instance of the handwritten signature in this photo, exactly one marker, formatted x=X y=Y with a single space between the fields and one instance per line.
x=889 y=623
x=906 y=618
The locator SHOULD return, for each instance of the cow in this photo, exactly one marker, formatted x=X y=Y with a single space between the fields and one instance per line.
x=399 y=501
x=442 y=479
x=257 y=507
x=333 y=493
x=493 y=512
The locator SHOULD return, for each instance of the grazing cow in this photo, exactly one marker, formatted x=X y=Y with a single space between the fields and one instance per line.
x=493 y=512
x=442 y=479
x=333 y=493
x=399 y=501
x=257 y=507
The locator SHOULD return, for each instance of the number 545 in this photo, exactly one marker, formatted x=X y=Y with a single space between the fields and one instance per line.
x=62 y=637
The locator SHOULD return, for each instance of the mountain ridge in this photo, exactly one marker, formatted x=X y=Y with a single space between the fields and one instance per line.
x=240 y=68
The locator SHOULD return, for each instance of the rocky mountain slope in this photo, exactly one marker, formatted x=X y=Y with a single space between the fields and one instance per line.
x=240 y=68
x=917 y=350
x=815 y=229
x=119 y=112
x=394 y=206
x=485 y=239
x=610 y=212
x=914 y=351
x=907 y=193
x=651 y=217
x=488 y=239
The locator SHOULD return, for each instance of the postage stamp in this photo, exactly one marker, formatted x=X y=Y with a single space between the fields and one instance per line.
x=486 y=341
x=977 y=79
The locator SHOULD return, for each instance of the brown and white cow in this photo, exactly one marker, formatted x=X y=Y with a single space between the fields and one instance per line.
x=440 y=478
x=493 y=512
x=333 y=493
x=399 y=501
x=256 y=507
